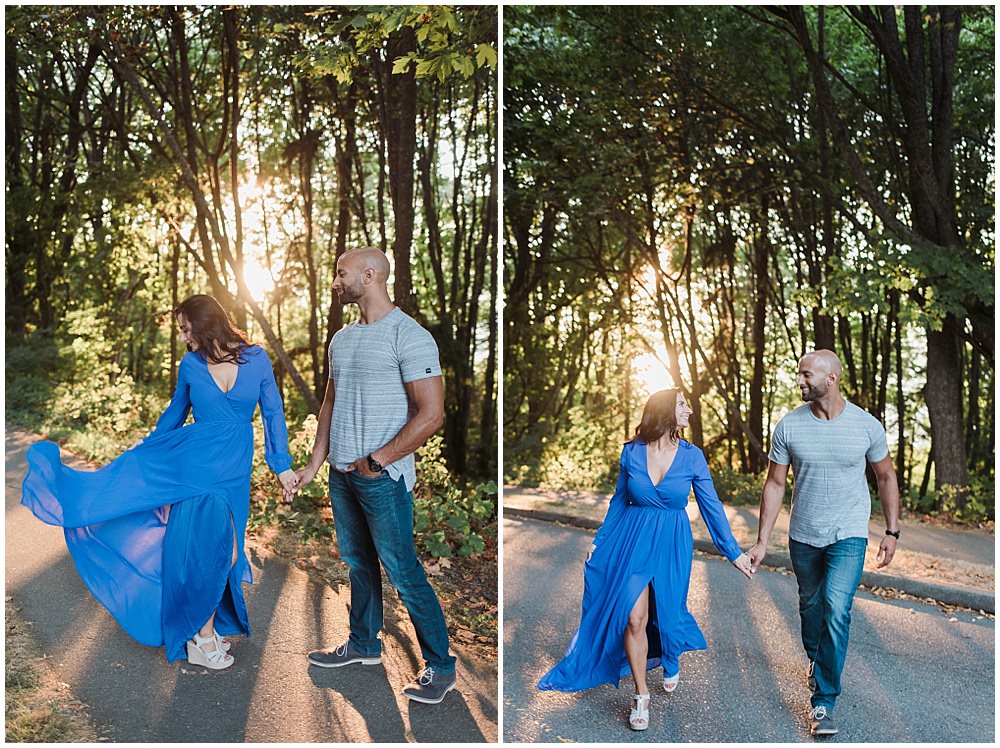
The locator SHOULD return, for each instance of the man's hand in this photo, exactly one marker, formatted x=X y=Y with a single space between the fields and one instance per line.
x=756 y=556
x=360 y=466
x=289 y=484
x=305 y=476
x=886 y=551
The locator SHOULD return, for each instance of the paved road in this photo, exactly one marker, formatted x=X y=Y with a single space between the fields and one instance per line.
x=269 y=695
x=911 y=674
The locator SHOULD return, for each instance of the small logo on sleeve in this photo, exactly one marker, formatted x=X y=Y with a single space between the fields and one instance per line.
x=427 y=371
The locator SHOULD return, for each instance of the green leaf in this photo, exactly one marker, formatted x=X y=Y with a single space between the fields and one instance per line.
x=486 y=54
x=401 y=65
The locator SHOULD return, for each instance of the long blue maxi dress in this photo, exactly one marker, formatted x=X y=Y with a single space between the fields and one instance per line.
x=152 y=532
x=645 y=540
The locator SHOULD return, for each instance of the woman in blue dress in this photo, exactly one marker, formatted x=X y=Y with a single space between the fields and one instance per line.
x=638 y=570
x=157 y=534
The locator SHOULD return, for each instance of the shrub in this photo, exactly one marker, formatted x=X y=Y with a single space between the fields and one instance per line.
x=448 y=519
x=739 y=489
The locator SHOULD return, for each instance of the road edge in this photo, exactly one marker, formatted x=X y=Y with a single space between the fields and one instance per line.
x=945 y=594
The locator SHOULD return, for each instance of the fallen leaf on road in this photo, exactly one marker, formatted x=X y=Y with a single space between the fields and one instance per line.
x=953 y=620
x=445 y=563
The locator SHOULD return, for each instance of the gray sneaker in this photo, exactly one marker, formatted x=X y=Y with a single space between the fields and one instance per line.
x=345 y=654
x=811 y=676
x=430 y=687
x=821 y=722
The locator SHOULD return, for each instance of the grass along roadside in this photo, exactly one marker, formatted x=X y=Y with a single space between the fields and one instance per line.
x=39 y=708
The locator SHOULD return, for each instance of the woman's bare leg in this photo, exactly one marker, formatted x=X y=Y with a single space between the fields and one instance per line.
x=208 y=628
x=636 y=645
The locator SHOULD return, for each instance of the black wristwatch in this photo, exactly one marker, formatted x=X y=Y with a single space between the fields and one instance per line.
x=376 y=467
x=894 y=533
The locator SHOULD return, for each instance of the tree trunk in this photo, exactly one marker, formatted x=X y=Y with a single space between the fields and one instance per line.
x=944 y=405
x=760 y=285
x=400 y=91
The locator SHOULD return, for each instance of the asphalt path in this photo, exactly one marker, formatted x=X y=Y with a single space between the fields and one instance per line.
x=912 y=674
x=271 y=694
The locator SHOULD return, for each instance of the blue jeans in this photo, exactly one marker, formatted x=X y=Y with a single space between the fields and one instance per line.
x=374 y=522
x=828 y=577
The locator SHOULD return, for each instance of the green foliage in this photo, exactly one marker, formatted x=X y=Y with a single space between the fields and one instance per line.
x=977 y=503
x=450 y=40
x=449 y=519
x=739 y=489
x=580 y=455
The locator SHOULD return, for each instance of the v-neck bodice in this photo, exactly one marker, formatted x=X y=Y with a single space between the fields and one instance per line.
x=236 y=378
x=675 y=485
x=209 y=402
x=645 y=457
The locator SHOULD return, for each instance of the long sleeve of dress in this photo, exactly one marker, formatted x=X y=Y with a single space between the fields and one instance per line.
x=180 y=404
x=272 y=411
x=619 y=501
x=712 y=510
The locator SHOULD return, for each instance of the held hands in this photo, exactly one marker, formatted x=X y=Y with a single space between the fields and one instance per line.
x=743 y=562
x=886 y=550
x=756 y=556
x=289 y=480
x=305 y=475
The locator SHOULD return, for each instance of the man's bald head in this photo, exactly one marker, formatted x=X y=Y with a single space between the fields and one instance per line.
x=826 y=360
x=362 y=274
x=819 y=372
x=367 y=258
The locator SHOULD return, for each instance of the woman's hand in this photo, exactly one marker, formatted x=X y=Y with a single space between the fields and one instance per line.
x=742 y=562
x=289 y=484
x=590 y=552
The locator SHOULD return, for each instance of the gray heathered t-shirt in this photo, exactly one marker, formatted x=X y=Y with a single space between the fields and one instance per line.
x=830 y=500
x=369 y=365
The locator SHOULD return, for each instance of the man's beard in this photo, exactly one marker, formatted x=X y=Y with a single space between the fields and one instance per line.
x=811 y=394
x=351 y=293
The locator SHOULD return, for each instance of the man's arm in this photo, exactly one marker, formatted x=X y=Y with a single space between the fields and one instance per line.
x=888 y=494
x=426 y=416
x=321 y=446
x=770 y=506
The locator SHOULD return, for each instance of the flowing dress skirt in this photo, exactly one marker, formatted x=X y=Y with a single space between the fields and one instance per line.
x=649 y=546
x=152 y=532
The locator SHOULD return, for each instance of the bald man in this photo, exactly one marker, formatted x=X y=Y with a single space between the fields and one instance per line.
x=827 y=442
x=384 y=398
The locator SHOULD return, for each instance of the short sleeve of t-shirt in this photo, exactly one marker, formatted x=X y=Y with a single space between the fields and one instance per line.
x=879 y=448
x=418 y=353
x=779 y=448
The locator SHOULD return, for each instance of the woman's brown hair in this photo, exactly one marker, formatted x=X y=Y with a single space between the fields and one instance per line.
x=213 y=329
x=659 y=417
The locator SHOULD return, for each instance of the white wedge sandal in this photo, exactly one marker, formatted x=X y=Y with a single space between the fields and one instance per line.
x=224 y=644
x=214 y=660
x=670 y=682
x=639 y=717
